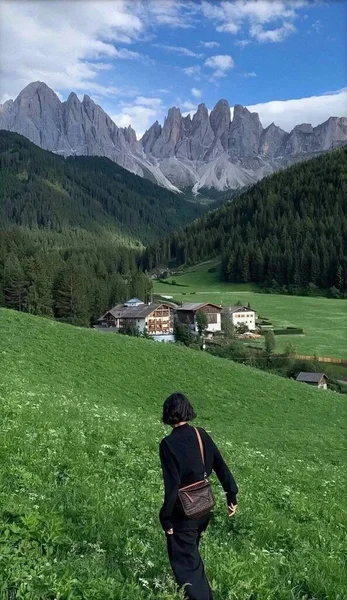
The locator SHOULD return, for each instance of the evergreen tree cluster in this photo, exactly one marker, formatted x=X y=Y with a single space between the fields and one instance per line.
x=70 y=276
x=71 y=230
x=288 y=229
x=41 y=189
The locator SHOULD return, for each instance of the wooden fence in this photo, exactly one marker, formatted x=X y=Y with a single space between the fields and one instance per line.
x=324 y=359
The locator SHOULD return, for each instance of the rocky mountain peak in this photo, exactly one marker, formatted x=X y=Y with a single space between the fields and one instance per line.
x=37 y=92
x=174 y=114
x=73 y=99
x=195 y=151
x=201 y=114
x=220 y=122
x=220 y=116
x=303 y=128
x=244 y=133
x=129 y=135
x=150 y=136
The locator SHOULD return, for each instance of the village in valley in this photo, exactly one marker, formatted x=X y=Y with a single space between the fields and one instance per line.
x=206 y=324
x=157 y=319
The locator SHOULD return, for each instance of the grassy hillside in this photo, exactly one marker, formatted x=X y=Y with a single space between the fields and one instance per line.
x=80 y=483
x=323 y=319
x=42 y=190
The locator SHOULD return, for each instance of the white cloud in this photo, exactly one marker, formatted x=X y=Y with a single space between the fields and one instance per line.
x=172 y=13
x=57 y=42
x=314 y=110
x=317 y=26
x=242 y=43
x=140 y=114
x=249 y=74
x=153 y=102
x=271 y=35
x=232 y=16
x=178 y=50
x=189 y=106
x=210 y=44
x=228 y=28
x=220 y=63
x=196 y=93
x=193 y=72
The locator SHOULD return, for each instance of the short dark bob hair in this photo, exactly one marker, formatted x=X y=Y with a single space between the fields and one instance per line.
x=177 y=408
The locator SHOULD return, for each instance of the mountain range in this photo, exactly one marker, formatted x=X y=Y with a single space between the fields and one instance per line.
x=208 y=150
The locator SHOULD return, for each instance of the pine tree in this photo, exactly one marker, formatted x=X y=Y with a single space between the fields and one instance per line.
x=201 y=321
x=70 y=295
x=14 y=283
x=270 y=345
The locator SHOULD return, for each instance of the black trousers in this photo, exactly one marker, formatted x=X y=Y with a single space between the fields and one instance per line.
x=186 y=562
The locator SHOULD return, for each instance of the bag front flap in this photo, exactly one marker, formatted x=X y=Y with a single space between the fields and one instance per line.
x=196 y=495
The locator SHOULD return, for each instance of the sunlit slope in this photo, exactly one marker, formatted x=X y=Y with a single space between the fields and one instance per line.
x=80 y=483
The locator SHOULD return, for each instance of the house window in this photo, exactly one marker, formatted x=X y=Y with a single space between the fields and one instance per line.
x=211 y=317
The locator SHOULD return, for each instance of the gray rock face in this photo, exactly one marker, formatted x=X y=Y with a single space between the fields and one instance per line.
x=244 y=133
x=271 y=140
x=206 y=150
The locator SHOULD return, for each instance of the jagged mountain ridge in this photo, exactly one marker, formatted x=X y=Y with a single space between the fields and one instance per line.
x=203 y=151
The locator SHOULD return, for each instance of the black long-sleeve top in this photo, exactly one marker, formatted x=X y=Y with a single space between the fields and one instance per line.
x=181 y=465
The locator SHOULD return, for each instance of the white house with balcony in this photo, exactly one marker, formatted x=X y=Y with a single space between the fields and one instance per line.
x=243 y=315
x=155 y=319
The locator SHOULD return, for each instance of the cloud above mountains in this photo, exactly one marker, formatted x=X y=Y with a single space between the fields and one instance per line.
x=255 y=17
x=220 y=64
x=91 y=46
x=313 y=109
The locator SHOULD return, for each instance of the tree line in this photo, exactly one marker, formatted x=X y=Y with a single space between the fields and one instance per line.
x=289 y=229
x=70 y=276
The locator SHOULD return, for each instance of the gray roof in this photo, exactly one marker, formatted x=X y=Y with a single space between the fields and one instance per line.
x=310 y=377
x=237 y=307
x=134 y=301
x=193 y=306
x=132 y=312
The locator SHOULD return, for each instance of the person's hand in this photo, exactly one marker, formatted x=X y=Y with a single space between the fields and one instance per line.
x=232 y=509
x=170 y=532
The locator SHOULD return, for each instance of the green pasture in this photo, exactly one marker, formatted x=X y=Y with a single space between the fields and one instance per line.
x=80 y=480
x=324 y=320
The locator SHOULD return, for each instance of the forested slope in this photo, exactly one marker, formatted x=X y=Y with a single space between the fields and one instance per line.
x=70 y=230
x=288 y=229
x=41 y=189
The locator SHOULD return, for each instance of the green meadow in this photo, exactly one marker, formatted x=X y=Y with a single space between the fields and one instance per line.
x=323 y=320
x=80 y=480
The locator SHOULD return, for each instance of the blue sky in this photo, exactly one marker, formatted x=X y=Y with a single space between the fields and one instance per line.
x=136 y=58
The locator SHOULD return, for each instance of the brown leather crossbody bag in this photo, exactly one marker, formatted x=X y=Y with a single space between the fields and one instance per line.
x=197 y=498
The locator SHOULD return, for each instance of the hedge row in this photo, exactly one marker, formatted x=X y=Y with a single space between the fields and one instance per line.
x=289 y=331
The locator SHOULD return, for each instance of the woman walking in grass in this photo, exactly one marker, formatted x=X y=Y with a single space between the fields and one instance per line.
x=188 y=455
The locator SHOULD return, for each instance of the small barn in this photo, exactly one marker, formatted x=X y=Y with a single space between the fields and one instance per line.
x=319 y=380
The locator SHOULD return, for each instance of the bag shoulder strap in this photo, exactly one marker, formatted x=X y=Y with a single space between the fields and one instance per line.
x=201 y=447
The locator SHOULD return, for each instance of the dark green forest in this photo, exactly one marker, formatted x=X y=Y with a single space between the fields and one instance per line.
x=41 y=189
x=71 y=230
x=290 y=229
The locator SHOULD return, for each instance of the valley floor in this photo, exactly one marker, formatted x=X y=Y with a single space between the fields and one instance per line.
x=324 y=320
